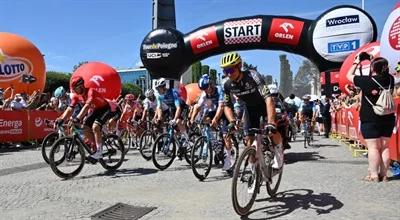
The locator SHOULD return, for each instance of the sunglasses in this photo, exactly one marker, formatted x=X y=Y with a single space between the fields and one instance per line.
x=229 y=71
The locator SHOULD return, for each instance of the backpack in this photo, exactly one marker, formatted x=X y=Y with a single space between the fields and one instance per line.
x=385 y=103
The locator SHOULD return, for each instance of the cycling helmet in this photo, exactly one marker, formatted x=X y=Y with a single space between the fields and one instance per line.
x=306 y=97
x=161 y=82
x=230 y=59
x=130 y=97
x=292 y=96
x=76 y=81
x=149 y=93
x=60 y=91
x=204 y=82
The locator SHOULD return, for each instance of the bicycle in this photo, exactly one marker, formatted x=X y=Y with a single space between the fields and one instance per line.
x=71 y=149
x=308 y=133
x=292 y=129
x=147 y=139
x=49 y=140
x=130 y=135
x=251 y=176
x=202 y=151
x=168 y=145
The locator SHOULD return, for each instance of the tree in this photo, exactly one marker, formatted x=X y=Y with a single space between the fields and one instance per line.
x=213 y=74
x=130 y=88
x=56 y=79
x=196 y=71
x=79 y=64
x=247 y=66
x=205 y=69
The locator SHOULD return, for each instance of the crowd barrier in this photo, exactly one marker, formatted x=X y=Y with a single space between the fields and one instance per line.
x=346 y=124
x=19 y=126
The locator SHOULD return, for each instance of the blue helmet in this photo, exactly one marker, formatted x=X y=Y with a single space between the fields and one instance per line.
x=60 y=91
x=204 y=82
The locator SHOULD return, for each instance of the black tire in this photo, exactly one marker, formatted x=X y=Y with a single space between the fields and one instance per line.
x=238 y=177
x=162 y=155
x=305 y=138
x=272 y=189
x=146 y=144
x=114 y=157
x=48 y=141
x=235 y=151
x=60 y=153
x=192 y=139
x=200 y=167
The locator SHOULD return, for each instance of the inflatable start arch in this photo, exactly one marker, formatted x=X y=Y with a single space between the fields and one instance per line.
x=326 y=41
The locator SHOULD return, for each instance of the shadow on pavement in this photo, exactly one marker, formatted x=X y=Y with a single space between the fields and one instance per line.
x=293 y=157
x=223 y=176
x=288 y=201
x=5 y=148
x=122 y=173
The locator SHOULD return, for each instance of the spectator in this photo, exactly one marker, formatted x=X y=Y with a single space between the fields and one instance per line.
x=326 y=116
x=319 y=107
x=16 y=104
x=376 y=129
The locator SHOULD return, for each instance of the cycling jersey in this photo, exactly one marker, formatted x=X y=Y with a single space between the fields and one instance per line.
x=149 y=105
x=171 y=99
x=92 y=96
x=307 y=109
x=251 y=89
x=211 y=102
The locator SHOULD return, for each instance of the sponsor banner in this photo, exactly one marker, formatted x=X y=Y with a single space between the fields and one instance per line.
x=13 y=126
x=390 y=39
x=38 y=123
x=204 y=40
x=243 y=31
x=285 y=31
x=160 y=46
x=14 y=67
x=340 y=32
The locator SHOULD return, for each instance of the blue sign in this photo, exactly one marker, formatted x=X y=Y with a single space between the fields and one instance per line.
x=343 y=46
x=350 y=19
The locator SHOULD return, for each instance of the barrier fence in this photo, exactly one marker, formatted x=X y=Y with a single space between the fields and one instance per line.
x=346 y=123
x=18 y=126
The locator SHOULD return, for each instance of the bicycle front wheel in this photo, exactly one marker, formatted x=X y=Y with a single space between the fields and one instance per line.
x=146 y=144
x=164 y=151
x=245 y=182
x=113 y=152
x=201 y=158
x=67 y=157
x=48 y=141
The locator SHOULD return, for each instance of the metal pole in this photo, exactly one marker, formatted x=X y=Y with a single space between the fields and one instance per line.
x=362 y=5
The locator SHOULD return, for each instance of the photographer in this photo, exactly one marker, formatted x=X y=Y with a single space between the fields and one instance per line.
x=376 y=129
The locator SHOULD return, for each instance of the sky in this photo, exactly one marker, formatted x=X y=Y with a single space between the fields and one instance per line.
x=111 y=31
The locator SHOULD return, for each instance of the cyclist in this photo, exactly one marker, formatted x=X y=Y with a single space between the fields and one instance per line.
x=93 y=124
x=169 y=105
x=62 y=97
x=211 y=102
x=306 y=112
x=127 y=112
x=149 y=105
x=250 y=87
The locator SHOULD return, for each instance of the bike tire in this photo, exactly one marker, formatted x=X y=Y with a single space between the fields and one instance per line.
x=235 y=151
x=192 y=139
x=47 y=142
x=146 y=144
x=158 y=155
x=201 y=171
x=273 y=189
x=114 y=147
x=54 y=165
x=305 y=138
x=127 y=141
x=237 y=173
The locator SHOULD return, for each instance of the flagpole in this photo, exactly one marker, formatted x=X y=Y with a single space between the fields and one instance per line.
x=362 y=4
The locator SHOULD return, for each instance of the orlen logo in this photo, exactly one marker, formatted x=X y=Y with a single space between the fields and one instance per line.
x=285 y=31
x=96 y=79
x=13 y=67
x=11 y=124
x=204 y=39
x=38 y=122
x=350 y=19
x=394 y=34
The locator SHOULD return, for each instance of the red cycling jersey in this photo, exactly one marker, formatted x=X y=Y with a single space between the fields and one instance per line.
x=91 y=97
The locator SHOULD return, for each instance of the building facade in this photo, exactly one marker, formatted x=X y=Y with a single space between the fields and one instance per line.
x=139 y=77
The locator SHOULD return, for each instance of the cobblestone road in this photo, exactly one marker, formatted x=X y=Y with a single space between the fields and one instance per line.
x=321 y=182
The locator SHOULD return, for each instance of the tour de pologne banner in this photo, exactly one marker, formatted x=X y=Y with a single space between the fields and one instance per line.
x=326 y=41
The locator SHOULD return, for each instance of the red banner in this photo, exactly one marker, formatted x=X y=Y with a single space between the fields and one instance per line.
x=13 y=126
x=16 y=126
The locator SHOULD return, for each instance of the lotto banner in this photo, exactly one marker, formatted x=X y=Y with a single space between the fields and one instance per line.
x=13 y=126
x=17 y=126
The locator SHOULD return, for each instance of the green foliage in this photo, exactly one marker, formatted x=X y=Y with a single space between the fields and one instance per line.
x=205 y=69
x=213 y=75
x=247 y=66
x=56 y=79
x=131 y=88
x=78 y=65
x=196 y=71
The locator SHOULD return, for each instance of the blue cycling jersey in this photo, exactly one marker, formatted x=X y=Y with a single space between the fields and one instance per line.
x=211 y=102
x=171 y=98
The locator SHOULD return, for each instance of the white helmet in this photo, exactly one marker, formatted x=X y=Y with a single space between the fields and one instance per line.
x=161 y=82
x=149 y=93
x=273 y=89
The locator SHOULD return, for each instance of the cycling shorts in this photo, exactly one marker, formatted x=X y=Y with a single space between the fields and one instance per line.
x=99 y=116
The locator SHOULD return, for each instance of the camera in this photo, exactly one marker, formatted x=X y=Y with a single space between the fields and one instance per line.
x=364 y=56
